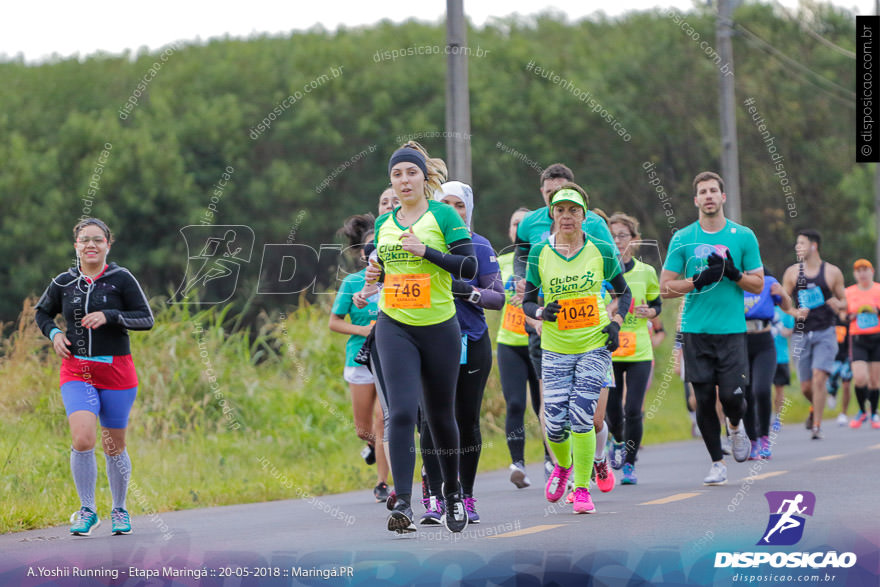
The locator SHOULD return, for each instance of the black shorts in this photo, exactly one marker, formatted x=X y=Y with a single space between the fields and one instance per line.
x=866 y=347
x=782 y=375
x=721 y=359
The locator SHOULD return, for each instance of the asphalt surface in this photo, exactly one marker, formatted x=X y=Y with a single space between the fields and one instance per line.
x=667 y=529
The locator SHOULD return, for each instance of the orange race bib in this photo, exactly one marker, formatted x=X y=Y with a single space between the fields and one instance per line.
x=841 y=333
x=627 y=346
x=408 y=291
x=514 y=320
x=578 y=313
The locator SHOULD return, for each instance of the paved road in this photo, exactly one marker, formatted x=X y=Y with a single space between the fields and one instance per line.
x=667 y=529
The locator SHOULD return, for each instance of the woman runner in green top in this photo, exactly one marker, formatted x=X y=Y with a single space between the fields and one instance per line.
x=422 y=245
x=577 y=339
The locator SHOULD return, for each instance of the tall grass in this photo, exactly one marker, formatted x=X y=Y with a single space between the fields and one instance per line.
x=274 y=424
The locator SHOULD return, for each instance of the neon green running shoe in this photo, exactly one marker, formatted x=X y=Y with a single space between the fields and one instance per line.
x=83 y=522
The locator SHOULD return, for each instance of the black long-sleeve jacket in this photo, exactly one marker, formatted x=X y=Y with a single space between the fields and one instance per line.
x=115 y=292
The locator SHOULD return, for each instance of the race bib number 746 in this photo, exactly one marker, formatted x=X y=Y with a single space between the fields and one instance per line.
x=408 y=291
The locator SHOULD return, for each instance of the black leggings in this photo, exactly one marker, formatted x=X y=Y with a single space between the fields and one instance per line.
x=420 y=364
x=759 y=401
x=472 y=378
x=516 y=370
x=733 y=403
x=376 y=370
x=625 y=422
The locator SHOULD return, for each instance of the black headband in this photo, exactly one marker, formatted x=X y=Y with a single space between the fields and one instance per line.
x=408 y=155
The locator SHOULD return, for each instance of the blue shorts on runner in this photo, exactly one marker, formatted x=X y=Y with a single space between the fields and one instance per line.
x=112 y=406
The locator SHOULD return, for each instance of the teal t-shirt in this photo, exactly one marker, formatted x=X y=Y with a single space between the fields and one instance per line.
x=535 y=227
x=343 y=305
x=716 y=309
x=575 y=282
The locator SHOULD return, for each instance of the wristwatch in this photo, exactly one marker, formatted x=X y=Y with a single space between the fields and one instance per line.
x=474 y=297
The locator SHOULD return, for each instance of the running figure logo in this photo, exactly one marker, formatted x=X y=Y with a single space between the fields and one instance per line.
x=786 y=525
x=212 y=273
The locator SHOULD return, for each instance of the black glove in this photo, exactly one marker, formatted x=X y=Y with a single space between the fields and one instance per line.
x=730 y=270
x=461 y=289
x=613 y=332
x=712 y=273
x=550 y=311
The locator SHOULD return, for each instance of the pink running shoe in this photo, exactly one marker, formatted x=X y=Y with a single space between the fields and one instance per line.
x=555 y=488
x=570 y=497
x=604 y=476
x=583 y=503
x=858 y=420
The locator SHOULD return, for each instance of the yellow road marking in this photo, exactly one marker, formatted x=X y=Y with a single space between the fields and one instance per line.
x=875 y=447
x=828 y=457
x=670 y=499
x=526 y=531
x=765 y=475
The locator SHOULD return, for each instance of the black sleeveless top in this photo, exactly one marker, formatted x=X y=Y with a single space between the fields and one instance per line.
x=813 y=292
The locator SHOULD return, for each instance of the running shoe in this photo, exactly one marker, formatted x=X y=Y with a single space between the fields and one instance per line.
x=583 y=503
x=858 y=420
x=369 y=454
x=434 y=511
x=765 y=452
x=618 y=454
x=392 y=499
x=121 y=521
x=741 y=444
x=777 y=424
x=842 y=420
x=754 y=453
x=401 y=518
x=83 y=522
x=808 y=424
x=725 y=445
x=604 y=476
x=518 y=475
x=830 y=402
x=570 y=497
x=548 y=469
x=817 y=433
x=875 y=422
x=456 y=518
x=629 y=475
x=470 y=506
x=557 y=482
x=717 y=475
x=380 y=492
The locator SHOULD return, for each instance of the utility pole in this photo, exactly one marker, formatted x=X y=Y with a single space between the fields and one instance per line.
x=458 y=110
x=729 y=152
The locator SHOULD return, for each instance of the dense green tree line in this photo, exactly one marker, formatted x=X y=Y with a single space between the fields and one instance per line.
x=143 y=141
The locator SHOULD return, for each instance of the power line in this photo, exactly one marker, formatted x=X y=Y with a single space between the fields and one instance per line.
x=791 y=62
x=815 y=35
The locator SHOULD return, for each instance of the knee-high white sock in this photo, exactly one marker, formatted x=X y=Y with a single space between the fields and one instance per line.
x=84 y=467
x=118 y=473
x=601 y=439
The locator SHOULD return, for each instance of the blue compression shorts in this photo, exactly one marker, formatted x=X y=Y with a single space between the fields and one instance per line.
x=112 y=406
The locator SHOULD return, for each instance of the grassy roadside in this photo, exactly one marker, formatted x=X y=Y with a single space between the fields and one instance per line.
x=276 y=424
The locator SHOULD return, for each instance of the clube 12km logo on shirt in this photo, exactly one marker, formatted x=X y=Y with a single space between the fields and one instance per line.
x=785 y=528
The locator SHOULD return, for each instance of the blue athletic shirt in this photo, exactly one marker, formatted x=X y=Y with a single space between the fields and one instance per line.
x=760 y=306
x=471 y=318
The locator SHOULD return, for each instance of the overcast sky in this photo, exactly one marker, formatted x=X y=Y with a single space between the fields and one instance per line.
x=37 y=29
